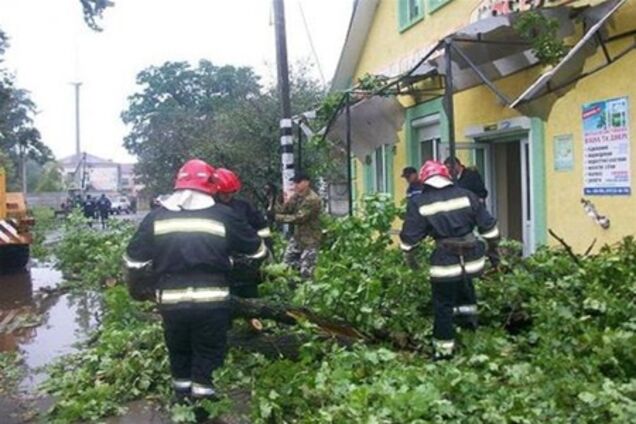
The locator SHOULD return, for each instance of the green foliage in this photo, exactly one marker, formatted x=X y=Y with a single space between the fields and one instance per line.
x=18 y=135
x=127 y=361
x=542 y=32
x=221 y=114
x=89 y=256
x=93 y=11
x=556 y=343
x=370 y=82
x=11 y=372
x=44 y=222
x=362 y=279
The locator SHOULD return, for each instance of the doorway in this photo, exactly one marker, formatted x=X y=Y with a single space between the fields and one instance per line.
x=504 y=164
x=507 y=193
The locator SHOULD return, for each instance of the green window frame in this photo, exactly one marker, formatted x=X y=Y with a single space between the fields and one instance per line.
x=353 y=163
x=421 y=110
x=378 y=171
x=409 y=13
x=435 y=5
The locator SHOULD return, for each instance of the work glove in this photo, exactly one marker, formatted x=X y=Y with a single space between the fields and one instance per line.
x=410 y=258
x=493 y=257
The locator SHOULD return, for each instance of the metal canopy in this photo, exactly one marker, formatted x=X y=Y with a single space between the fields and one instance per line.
x=571 y=65
x=374 y=122
x=491 y=47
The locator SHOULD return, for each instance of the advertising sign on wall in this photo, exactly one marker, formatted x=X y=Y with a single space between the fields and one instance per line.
x=606 y=159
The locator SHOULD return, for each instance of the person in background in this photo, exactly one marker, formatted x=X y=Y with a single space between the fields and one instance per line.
x=103 y=206
x=449 y=214
x=90 y=208
x=414 y=184
x=133 y=204
x=468 y=178
x=245 y=275
x=302 y=210
x=185 y=244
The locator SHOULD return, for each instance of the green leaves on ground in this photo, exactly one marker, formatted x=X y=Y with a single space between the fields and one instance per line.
x=557 y=343
x=89 y=256
x=127 y=361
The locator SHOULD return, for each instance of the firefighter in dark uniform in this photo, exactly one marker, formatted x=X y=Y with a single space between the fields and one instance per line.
x=245 y=276
x=186 y=244
x=449 y=214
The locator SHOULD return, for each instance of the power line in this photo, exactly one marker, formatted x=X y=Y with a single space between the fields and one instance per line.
x=311 y=44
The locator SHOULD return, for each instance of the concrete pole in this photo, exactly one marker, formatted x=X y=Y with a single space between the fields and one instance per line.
x=78 y=149
x=286 y=136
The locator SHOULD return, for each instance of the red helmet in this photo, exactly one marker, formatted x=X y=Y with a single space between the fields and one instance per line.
x=433 y=168
x=197 y=175
x=227 y=180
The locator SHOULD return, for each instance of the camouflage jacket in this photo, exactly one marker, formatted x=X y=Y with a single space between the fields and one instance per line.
x=303 y=211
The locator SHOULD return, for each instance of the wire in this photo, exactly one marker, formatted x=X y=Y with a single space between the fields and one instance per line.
x=311 y=44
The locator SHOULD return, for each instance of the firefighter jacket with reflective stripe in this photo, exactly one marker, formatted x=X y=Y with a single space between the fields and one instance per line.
x=247 y=272
x=190 y=251
x=449 y=215
x=253 y=216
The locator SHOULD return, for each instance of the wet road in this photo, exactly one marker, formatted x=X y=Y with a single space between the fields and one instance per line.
x=41 y=326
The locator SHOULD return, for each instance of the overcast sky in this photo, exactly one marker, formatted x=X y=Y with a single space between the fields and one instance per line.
x=51 y=46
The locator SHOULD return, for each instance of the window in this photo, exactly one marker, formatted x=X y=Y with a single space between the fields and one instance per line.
x=433 y=5
x=379 y=170
x=429 y=150
x=353 y=163
x=409 y=13
x=428 y=137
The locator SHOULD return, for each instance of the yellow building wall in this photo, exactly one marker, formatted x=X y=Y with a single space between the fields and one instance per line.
x=565 y=189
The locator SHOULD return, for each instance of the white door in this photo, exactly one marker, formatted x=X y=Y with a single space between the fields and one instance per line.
x=526 y=199
x=509 y=195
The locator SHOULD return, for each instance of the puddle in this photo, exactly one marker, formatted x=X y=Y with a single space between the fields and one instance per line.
x=50 y=324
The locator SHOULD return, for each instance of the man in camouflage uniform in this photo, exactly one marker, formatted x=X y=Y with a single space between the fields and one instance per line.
x=303 y=211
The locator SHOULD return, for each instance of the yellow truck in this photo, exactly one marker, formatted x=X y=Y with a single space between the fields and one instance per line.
x=15 y=229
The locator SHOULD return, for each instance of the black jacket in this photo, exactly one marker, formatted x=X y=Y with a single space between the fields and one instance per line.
x=448 y=214
x=471 y=180
x=247 y=274
x=414 y=188
x=190 y=250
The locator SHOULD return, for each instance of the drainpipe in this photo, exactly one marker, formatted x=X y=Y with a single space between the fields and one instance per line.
x=349 y=176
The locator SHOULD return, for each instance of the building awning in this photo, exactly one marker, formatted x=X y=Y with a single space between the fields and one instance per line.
x=568 y=69
x=493 y=46
x=374 y=122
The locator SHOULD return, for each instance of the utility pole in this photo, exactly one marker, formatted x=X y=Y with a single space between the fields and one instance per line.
x=23 y=161
x=286 y=137
x=77 y=117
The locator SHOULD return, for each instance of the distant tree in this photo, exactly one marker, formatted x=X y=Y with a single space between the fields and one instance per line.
x=219 y=114
x=93 y=11
x=50 y=178
x=18 y=135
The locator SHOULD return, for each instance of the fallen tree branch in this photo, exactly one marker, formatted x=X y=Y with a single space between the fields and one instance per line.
x=589 y=249
x=566 y=246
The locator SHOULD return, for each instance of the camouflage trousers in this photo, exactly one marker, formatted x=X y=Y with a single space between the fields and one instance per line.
x=302 y=259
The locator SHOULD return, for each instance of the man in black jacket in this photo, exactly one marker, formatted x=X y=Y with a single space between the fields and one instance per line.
x=449 y=214
x=468 y=178
x=245 y=275
x=414 y=184
x=186 y=244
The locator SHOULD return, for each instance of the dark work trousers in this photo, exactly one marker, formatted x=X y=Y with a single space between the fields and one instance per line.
x=449 y=300
x=196 y=339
